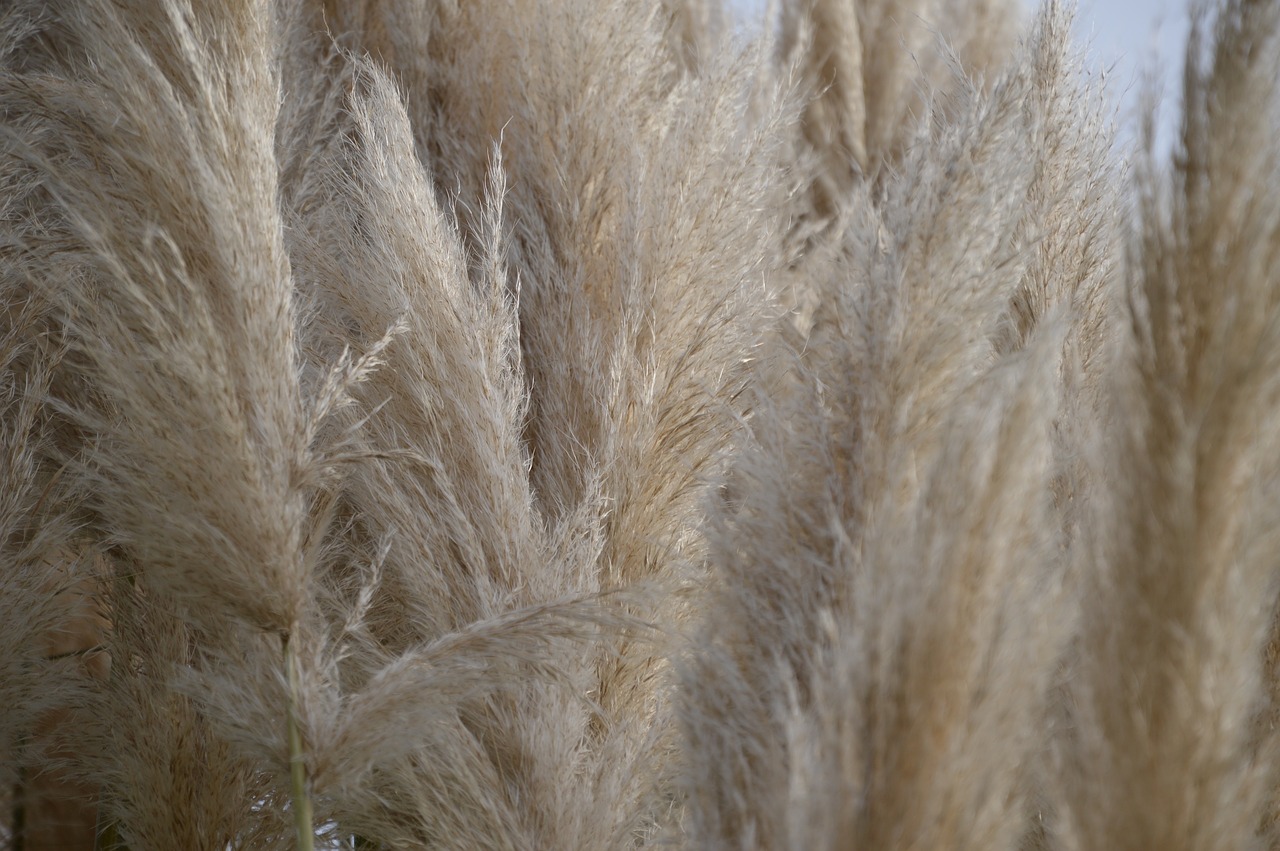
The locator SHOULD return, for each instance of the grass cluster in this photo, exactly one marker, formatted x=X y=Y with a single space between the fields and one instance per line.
x=563 y=424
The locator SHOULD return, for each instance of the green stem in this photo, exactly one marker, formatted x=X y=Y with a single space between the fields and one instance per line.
x=297 y=763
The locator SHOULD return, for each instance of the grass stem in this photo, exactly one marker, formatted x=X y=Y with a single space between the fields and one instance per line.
x=297 y=764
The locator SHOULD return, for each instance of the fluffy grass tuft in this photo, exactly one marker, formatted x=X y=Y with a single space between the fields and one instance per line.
x=523 y=424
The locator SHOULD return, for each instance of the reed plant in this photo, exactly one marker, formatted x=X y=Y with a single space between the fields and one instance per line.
x=541 y=424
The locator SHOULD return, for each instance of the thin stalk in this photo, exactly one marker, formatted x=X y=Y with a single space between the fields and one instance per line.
x=19 y=815
x=297 y=763
x=107 y=835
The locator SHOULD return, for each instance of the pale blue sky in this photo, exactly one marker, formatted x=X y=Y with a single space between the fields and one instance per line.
x=1133 y=37
x=1126 y=37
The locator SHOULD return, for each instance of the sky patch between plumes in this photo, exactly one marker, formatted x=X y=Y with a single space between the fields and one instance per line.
x=1131 y=41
